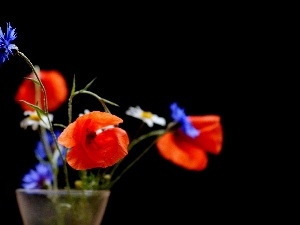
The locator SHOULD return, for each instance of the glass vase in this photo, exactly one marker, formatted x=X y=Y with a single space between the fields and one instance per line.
x=62 y=207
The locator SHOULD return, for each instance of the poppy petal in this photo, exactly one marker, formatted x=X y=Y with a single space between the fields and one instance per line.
x=173 y=147
x=211 y=133
x=96 y=120
x=94 y=141
x=105 y=150
x=66 y=137
x=56 y=89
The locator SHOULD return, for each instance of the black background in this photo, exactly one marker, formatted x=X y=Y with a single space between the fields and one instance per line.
x=205 y=57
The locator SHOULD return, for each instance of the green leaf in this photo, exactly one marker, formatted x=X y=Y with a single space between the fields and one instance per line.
x=89 y=84
x=37 y=108
x=34 y=80
x=73 y=86
x=59 y=125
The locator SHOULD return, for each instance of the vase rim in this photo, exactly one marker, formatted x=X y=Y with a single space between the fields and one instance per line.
x=61 y=191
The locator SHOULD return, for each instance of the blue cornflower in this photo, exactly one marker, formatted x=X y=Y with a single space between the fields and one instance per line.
x=41 y=152
x=180 y=117
x=41 y=177
x=6 y=47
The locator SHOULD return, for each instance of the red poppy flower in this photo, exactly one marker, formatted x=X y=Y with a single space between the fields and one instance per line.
x=191 y=153
x=94 y=141
x=56 y=89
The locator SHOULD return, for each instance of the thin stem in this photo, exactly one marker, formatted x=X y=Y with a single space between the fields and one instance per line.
x=46 y=112
x=102 y=101
x=40 y=82
x=131 y=145
x=48 y=151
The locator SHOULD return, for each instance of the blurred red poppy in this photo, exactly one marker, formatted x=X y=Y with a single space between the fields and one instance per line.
x=191 y=153
x=56 y=89
x=94 y=141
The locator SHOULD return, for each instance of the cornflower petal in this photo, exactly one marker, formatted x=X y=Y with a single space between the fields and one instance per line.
x=179 y=116
x=41 y=177
x=94 y=141
x=6 y=47
x=41 y=152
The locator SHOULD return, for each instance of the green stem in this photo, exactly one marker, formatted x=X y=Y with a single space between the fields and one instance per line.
x=157 y=133
x=46 y=112
x=49 y=153
x=102 y=101
x=40 y=82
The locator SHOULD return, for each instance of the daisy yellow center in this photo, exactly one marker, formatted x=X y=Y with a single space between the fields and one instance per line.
x=34 y=117
x=147 y=115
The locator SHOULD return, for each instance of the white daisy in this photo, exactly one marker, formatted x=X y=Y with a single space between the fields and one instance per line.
x=35 y=121
x=147 y=117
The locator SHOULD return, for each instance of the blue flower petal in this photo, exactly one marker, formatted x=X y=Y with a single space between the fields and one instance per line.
x=6 y=47
x=39 y=178
x=180 y=117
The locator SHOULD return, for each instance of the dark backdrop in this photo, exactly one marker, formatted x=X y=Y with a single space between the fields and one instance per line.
x=151 y=57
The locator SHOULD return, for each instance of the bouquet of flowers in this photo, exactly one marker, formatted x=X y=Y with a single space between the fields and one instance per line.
x=94 y=142
x=95 y=139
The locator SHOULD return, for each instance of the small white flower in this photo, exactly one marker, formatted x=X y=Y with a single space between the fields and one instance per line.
x=147 y=117
x=35 y=121
x=86 y=111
